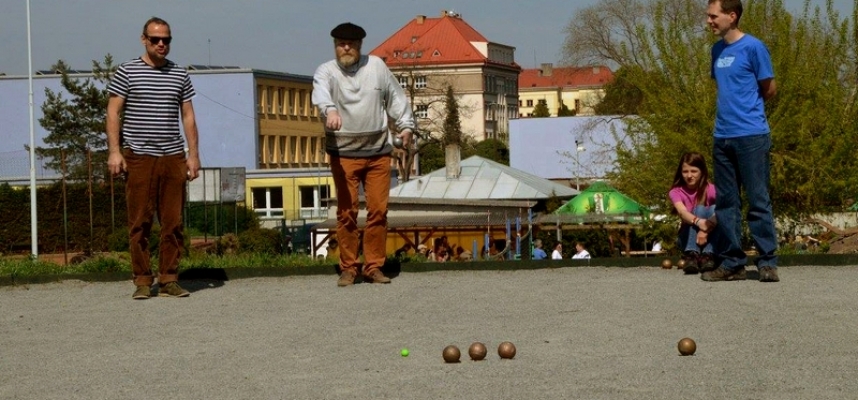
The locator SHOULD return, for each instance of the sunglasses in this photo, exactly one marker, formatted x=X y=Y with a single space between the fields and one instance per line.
x=154 y=40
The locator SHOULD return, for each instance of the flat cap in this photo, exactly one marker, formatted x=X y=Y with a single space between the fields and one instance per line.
x=348 y=31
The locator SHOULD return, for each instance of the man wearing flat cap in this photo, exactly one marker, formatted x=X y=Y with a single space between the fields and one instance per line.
x=356 y=96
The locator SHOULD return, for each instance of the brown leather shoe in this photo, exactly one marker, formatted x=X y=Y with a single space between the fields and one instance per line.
x=347 y=278
x=769 y=274
x=376 y=277
x=723 y=274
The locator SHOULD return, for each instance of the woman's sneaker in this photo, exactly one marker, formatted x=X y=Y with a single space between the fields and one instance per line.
x=691 y=266
x=706 y=262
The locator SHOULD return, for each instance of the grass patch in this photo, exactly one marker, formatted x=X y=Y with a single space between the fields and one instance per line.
x=20 y=268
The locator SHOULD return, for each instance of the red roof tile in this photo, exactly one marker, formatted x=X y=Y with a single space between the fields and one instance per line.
x=424 y=40
x=565 y=77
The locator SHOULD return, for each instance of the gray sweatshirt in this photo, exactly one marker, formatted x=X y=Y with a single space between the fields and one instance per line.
x=365 y=95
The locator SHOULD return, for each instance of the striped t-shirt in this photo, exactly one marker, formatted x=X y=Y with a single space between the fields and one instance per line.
x=153 y=98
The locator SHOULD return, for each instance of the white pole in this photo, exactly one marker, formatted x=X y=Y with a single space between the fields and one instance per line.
x=34 y=233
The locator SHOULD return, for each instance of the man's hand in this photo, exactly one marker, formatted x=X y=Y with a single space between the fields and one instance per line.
x=193 y=164
x=333 y=121
x=116 y=163
x=406 y=136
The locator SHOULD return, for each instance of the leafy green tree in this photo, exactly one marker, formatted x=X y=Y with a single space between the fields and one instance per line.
x=431 y=157
x=451 y=132
x=432 y=152
x=493 y=149
x=662 y=49
x=565 y=111
x=622 y=97
x=76 y=124
x=541 y=110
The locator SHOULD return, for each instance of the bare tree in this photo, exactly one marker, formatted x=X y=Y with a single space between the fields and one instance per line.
x=428 y=96
x=605 y=34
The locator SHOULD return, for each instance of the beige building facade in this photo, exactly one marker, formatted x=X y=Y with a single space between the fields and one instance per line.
x=428 y=55
x=577 y=88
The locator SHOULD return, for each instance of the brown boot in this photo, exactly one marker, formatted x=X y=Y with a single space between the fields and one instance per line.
x=723 y=274
x=376 y=277
x=347 y=278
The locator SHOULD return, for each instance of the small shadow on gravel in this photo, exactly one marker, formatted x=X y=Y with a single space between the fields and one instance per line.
x=196 y=279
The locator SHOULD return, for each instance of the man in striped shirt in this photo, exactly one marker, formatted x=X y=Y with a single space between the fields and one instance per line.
x=147 y=145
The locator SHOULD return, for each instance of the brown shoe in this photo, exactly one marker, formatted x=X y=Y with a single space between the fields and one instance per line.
x=376 y=277
x=172 y=289
x=347 y=278
x=769 y=274
x=706 y=262
x=724 y=274
x=691 y=266
x=143 y=292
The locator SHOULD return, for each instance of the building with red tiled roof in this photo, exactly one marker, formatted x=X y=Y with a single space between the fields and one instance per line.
x=578 y=88
x=430 y=54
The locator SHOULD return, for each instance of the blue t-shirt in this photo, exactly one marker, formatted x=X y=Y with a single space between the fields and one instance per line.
x=737 y=69
x=539 y=254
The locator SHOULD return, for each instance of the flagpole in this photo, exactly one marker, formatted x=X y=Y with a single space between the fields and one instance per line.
x=34 y=234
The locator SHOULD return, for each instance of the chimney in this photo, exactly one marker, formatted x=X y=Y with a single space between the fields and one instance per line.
x=597 y=70
x=546 y=69
x=453 y=160
x=420 y=19
x=443 y=13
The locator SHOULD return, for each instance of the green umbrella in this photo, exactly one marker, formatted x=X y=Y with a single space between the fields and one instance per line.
x=601 y=198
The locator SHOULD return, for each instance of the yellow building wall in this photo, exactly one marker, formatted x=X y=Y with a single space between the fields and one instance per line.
x=290 y=130
x=291 y=191
x=587 y=98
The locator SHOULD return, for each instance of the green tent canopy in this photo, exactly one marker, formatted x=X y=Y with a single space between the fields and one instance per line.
x=601 y=202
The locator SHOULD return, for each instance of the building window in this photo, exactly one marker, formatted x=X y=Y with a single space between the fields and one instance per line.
x=577 y=105
x=314 y=204
x=543 y=102
x=420 y=82
x=268 y=202
x=490 y=112
x=403 y=81
x=422 y=111
x=530 y=103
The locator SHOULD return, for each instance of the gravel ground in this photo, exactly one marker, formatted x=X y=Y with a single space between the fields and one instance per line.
x=581 y=332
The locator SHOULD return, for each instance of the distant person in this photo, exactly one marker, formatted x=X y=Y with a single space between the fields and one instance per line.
x=356 y=96
x=402 y=252
x=693 y=199
x=557 y=254
x=463 y=255
x=743 y=73
x=581 y=252
x=423 y=250
x=538 y=252
x=440 y=252
x=149 y=97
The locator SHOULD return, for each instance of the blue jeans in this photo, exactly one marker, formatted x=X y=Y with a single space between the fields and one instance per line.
x=688 y=233
x=744 y=163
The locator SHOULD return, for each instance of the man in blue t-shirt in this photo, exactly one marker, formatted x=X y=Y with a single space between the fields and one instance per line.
x=538 y=252
x=743 y=73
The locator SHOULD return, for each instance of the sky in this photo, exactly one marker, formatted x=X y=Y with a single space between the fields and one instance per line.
x=285 y=36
